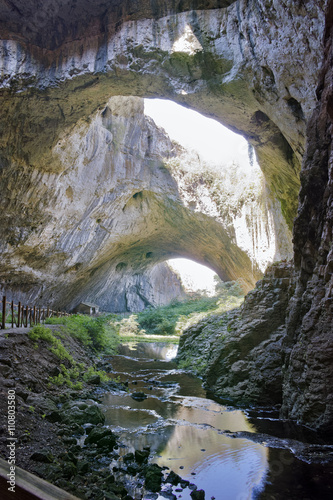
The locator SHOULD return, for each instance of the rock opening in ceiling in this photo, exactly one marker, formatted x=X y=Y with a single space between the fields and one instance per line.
x=192 y=189
x=195 y=278
x=124 y=199
x=217 y=173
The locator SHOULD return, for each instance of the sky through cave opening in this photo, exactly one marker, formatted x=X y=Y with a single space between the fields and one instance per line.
x=226 y=156
x=194 y=277
x=215 y=143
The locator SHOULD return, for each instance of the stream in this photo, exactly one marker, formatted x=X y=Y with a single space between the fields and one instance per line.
x=192 y=435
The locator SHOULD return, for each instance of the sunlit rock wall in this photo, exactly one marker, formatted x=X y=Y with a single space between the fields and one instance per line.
x=235 y=194
x=95 y=229
x=289 y=362
x=240 y=354
x=252 y=65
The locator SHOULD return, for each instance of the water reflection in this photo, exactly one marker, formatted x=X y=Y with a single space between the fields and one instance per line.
x=219 y=465
x=183 y=428
x=149 y=350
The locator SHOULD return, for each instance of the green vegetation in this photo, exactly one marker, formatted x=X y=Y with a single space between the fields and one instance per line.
x=40 y=332
x=92 y=372
x=175 y=318
x=102 y=334
x=71 y=377
x=8 y=318
x=98 y=333
x=105 y=332
x=68 y=376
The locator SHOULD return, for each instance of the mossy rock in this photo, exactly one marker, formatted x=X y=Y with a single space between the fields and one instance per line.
x=198 y=495
x=69 y=470
x=102 y=437
x=153 y=477
x=94 y=380
x=90 y=414
x=128 y=457
x=43 y=456
x=83 y=467
x=141 y=456
x=173 y=478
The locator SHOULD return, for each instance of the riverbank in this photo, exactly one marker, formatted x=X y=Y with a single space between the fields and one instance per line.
x=171 y=339
x=49 y=416
x=149 y=428
x=57 y=424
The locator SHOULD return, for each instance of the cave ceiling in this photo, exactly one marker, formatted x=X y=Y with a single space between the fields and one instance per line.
x=253 y=66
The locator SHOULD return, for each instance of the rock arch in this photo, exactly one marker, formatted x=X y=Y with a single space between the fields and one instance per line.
x=58 y=69
x=254 y=65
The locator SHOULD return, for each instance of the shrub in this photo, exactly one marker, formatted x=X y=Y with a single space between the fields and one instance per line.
x=92 y=372
x=98 y=333
x=176 y=317
x=54 y=320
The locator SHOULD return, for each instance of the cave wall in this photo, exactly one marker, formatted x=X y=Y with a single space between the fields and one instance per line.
x=278 y=347
x=308 y=382
x=97 y=228
x=219 y=61
x=253 y=66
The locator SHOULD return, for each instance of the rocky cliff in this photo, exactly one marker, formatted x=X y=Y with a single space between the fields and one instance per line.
x=96 y=229
x=278 y=347
x=59 y=68
x=253 y=65
x=308 y=381
x=239 y=354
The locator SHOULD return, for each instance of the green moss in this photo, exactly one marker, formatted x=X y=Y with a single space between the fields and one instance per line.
x=92 y=372
x=73 y=377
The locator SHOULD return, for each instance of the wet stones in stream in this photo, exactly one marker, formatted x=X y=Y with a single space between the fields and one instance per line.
x=77 y=412
x=139 y=396
x=153 y=477
x=102 y=437
x=84 y=469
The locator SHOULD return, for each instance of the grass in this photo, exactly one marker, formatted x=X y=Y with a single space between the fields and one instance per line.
x=100 y=334
x=71 y=377
x=172 y=339
x=170 y=321
x=103 y=333
x=75 y=376
x=40 y=332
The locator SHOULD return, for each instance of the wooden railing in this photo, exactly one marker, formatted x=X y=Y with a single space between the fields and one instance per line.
x=28 y=486
x=25 y=315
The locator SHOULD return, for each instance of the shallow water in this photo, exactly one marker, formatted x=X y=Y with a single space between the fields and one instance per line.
x=186 y=433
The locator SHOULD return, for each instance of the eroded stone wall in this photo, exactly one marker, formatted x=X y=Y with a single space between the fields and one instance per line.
x=308 y=383
x=298 y=353
x=95 y=229
x=253 y=66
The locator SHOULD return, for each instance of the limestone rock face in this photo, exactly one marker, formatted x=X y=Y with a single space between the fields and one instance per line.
x=300 y=356
x=75 y=210
x=308 y=384
x=237 y=196
x=239 y=354
x=99 y=227
x=58 y=70
x=253 y=66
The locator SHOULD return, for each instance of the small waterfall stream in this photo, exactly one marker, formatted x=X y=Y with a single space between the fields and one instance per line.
x=183 y=428
x=228 y=453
